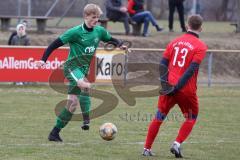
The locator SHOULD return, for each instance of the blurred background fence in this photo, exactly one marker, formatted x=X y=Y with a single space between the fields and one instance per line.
x=212 y=70
x=220 y=10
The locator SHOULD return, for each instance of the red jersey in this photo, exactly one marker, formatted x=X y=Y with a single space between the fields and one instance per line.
x=181 y=52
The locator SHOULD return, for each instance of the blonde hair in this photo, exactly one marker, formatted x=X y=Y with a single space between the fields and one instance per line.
x=92 y=9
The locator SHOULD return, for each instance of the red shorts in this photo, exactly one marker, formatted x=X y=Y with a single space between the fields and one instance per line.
x=187 y=103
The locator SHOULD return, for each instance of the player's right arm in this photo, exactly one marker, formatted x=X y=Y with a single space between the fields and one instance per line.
x=163 y=72
x=54 y=45
x=66 y=37
x=164 y=62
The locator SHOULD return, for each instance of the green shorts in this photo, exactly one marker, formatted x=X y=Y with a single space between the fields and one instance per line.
x=73 y=76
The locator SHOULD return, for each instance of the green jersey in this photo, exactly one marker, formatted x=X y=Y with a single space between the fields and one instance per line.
x=83 y=45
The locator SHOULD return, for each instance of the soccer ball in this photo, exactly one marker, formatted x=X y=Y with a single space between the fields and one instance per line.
x=108 y=131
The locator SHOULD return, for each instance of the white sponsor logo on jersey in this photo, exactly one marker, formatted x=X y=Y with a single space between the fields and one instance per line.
x=89 y=50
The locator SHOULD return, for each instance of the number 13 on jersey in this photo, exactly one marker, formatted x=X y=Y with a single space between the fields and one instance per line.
x=183 y=53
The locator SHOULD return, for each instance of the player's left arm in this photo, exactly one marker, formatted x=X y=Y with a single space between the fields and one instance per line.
x=116 y=42
x=106 y=37
x=194 y=66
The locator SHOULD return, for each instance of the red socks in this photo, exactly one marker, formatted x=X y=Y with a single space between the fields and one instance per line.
x=154 y=126
x=185 y=130
x=152 y=133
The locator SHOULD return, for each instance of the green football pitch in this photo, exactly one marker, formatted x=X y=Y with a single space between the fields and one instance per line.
x=27 y=116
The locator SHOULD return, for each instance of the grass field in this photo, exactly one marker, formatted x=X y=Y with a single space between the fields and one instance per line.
x=27 y=116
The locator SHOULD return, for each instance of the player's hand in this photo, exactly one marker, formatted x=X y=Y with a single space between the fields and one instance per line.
x=123 y=47
x=40 y=63
x=168 y=89
x=173 y=92
x=126 y=45
x=83 y=84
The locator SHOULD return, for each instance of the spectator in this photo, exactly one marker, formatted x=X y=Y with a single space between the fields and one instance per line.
x=20 y=39
x=180 y=8
x=136 y=10
x=117 y=12
x=24 y=22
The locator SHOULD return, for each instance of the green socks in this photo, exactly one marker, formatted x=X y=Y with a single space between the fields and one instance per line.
x=63 y=118
x=85 y=105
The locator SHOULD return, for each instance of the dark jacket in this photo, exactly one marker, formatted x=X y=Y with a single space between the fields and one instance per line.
x=20 y=41
x=11 y=37
x=113 y=9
